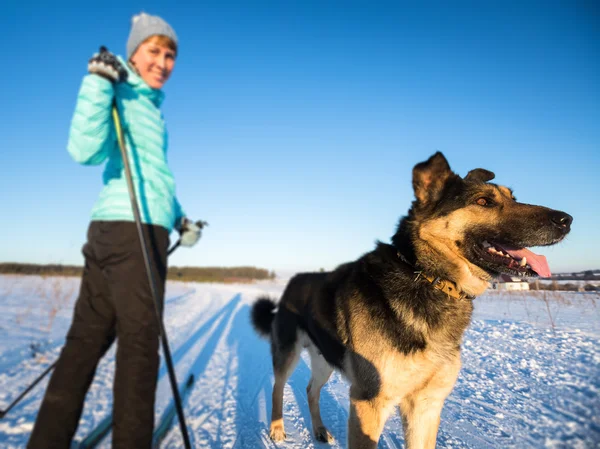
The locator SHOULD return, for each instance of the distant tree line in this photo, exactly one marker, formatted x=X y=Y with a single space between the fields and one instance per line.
x=587 y=275
x=558 y=286
x=219 y=274
x=40 y=270
x=187 y=274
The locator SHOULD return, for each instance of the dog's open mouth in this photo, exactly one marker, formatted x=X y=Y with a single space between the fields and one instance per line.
x=519 y=261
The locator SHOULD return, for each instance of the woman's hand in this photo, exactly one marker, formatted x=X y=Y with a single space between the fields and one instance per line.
x=189 y=231
x=105 y=64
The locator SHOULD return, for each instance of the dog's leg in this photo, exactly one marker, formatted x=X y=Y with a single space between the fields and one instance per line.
x=284 y=363
x=421 y=420
x=320 y=372
x=421 y=409
x=366 y=421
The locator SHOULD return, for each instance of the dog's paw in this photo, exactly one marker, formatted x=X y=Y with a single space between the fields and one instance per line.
x=277 y=433
x=323 y=435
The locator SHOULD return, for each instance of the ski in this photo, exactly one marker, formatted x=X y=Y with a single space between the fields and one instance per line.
x=164 y=424
x=96 y=435
x=102 y=429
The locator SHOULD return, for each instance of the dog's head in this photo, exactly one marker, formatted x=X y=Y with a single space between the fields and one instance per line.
x=468 y=229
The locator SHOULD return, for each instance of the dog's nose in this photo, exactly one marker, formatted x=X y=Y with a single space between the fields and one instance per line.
x=561 y=219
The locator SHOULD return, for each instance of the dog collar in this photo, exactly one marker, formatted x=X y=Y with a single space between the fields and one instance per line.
x=444 y=285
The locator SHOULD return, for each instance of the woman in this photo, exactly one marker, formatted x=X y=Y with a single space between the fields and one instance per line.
x=115 y=298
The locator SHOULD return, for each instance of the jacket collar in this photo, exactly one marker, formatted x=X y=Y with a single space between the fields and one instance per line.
x=139 y=85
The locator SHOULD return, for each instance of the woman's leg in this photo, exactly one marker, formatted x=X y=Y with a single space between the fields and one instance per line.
x=137 y=329
x=91 y=334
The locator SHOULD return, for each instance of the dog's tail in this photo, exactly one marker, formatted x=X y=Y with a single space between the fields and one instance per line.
x=263 y=313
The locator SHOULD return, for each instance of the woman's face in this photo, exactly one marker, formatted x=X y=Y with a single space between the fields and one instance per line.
x=154 y=63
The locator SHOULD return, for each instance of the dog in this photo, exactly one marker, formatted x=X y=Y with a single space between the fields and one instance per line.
x=392 y=321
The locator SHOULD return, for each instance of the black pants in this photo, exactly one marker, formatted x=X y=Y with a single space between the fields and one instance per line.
x=115 y=300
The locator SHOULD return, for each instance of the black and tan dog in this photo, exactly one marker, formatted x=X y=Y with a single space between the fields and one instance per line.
x=392 y=321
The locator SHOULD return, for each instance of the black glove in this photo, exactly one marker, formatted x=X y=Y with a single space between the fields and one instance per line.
x=105 y=64
x=189 y=231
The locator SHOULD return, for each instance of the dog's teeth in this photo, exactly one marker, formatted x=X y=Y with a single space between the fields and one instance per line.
x=523 y=262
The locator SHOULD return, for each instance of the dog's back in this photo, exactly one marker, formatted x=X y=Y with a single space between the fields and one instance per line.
x=310 y=306
x=281 y=321
x=295 y=298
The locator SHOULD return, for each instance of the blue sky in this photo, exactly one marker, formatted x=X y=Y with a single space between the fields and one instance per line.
x=294 y=126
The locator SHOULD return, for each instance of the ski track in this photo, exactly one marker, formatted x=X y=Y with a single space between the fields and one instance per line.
x=524 y=383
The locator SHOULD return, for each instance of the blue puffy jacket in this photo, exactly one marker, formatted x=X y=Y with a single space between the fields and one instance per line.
x=93 y=140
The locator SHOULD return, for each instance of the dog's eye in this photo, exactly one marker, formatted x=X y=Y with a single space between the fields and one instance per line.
x=484 y=201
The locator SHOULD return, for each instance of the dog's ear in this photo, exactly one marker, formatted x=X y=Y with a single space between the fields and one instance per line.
x=429 y=178
x=479 y=175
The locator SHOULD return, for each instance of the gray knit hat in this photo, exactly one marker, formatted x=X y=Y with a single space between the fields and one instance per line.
x=142 y=27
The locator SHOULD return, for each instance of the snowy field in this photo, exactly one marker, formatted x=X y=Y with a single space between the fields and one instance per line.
x=530 y=377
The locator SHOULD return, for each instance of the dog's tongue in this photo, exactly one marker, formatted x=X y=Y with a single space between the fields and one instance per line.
x=537 y=262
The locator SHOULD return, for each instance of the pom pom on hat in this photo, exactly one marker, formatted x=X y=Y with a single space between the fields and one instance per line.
x=142 y=27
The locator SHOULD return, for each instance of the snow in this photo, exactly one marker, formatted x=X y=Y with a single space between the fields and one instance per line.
x=530 y=376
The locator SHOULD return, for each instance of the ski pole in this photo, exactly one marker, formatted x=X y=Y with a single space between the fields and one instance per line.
x=174 y=247
x=27 y=390
x=143 y=243
x=50 y=368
